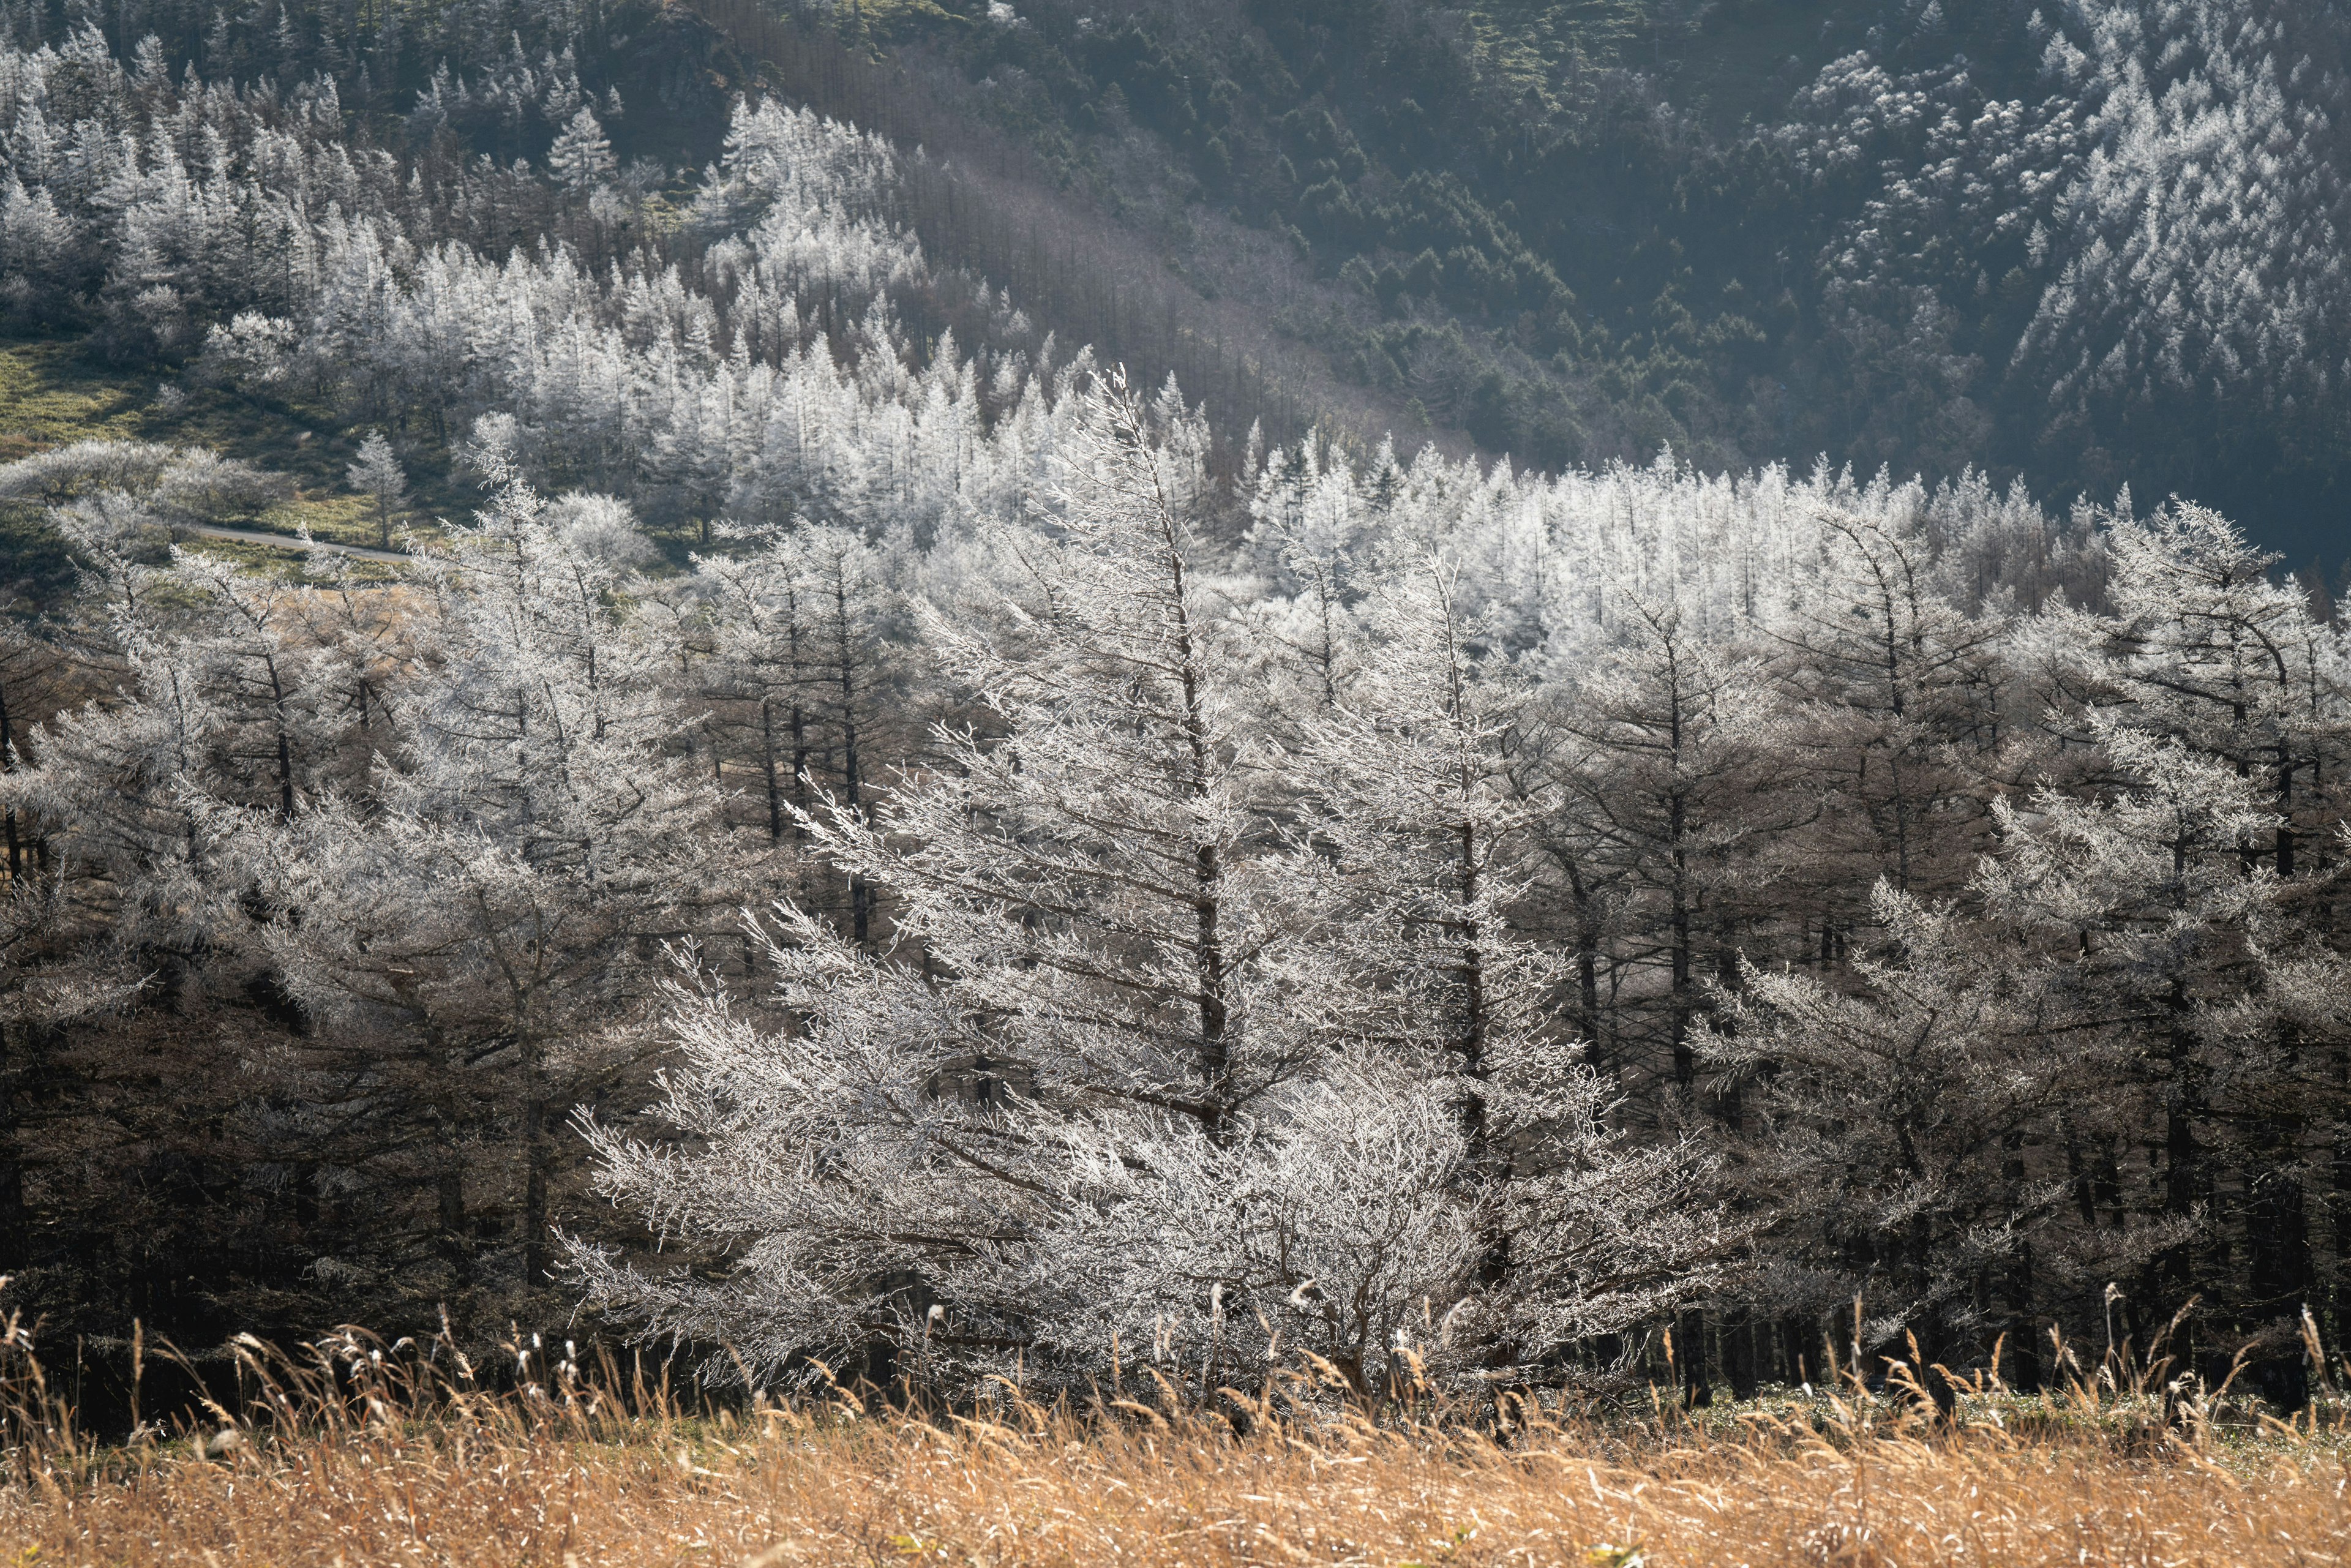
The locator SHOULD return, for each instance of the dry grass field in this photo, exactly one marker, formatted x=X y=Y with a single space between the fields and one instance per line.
x=356 y=1468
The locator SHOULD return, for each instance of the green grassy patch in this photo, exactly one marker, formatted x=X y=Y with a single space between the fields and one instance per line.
x=56 y=390
x=875 y=22
x=1534 y=42
x=338 y=519
x=1731 y=59
x=284 y=563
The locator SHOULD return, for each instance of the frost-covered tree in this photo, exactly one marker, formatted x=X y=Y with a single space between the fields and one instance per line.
x=1914 y=1106
x=1094 y=895
x=806 y=671
x=377 y=475
x=581 y=157
x=481 y=916
x=761 y=671
x=1670 y=768
x=2219 y=659
x=1119 y=1089
x=2220 y=656
x=1906 y=691
x=2170 y=930
x=1424 y=806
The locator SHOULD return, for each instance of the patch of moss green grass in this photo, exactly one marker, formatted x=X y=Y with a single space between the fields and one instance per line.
x=1729 y=59
x=287 y=563
x=1534 y=42
x=889 y=21
x=56 y=390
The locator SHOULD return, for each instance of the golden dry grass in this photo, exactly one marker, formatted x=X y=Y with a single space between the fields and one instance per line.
x=488 y=1481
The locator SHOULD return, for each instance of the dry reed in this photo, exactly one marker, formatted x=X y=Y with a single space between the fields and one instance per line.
x=344 y=1453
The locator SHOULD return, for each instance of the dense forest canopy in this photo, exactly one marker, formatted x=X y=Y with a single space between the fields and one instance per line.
x=797 y=803
x=2085 y=243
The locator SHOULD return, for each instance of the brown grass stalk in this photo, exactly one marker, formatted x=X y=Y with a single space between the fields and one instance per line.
x=876 y=1491
x=350 y=1451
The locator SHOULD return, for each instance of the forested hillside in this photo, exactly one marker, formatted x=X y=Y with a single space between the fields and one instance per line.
x=790 y=804
x=2087 y=244
x=2084 y=242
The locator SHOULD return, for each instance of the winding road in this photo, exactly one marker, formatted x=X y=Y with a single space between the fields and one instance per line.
x=289 y=542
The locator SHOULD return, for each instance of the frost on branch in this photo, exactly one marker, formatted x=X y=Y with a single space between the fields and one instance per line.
x=1160 y=1066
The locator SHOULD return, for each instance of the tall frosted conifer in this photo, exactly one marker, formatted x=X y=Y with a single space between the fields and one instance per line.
x=1424 y=803
x=377 y=476
x=1120 y=1084
x=477 y=923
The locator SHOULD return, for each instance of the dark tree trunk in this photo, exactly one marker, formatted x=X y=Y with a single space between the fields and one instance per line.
x=1690 y=1353
x=1739 y=1357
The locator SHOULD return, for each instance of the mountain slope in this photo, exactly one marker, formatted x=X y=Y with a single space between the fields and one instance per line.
x=1896 y=234
x=2090 y=246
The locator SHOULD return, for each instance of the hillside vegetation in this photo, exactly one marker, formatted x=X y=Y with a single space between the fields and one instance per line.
x=2091 y=243
x=904 y=790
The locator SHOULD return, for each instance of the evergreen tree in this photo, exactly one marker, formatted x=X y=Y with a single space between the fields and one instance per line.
x=581 y=158
x=377 y=476
x=1120 y=1100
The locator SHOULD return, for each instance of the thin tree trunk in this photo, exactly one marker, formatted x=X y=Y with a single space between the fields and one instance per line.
x=535 y=1162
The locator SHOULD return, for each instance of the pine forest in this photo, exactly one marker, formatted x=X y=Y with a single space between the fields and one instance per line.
x=1189 y=734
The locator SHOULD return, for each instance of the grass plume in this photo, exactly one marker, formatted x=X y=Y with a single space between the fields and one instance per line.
x=352 y=1451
